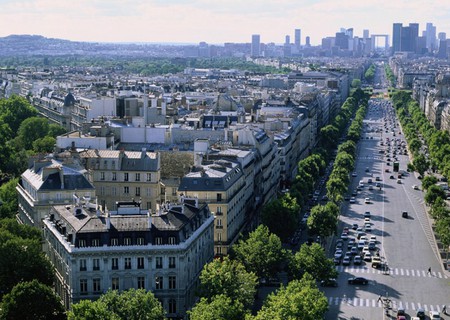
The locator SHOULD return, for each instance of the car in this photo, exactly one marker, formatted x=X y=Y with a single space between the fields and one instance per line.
x=338 y=253
x=401 y=317
x=344 y=236
x=370 y=187
x=355 y=193
x=367 y=169
x=372 y=245
x=369 y=180
x=361 y=244
x=404 y=214
x=420 y=313
x=386 y=170
x=357 y=260
x=339 y=245
x=366 y=220
x=434 y=315
x=415 y=187
x=351 y=242
x=399 y=181
x=354 y=226
x=367 y=214
x=346 y=261
x=337 y=261
x=352 y=200
x=354 y=250
x=331 y=282
x=373 y=239
x=354 y=174
x=391 y=177
x=346 y=197
x=401 y=312
x=367 y=227
x=378 y=185
x=377 y=179
x=367 y=257
x=358 y=280
x=367 y=200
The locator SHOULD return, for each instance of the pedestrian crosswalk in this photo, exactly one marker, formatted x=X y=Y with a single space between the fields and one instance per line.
x=408 y=306
x=393 y=271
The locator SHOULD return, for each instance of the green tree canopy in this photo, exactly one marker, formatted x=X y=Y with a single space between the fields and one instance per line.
x=323 y=219
x=44 y=145
x=434 y=192
x=8 y=196
x=230 y=278
x=22 y=260
x=31 y=301
x=428 y=181
x=32 y=129
x=281 y=216
x=262 y=253
x=420 y=164
x=132 y=304
x=312 y=259
x=15 y=110
x=300 y=299
x=220 y=307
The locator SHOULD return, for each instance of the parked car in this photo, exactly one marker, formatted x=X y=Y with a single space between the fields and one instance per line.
x=358 y=280
x=404 y=214
x=415 y=187
x=331 y=282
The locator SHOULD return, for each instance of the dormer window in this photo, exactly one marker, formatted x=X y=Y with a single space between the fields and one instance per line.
x=158 y=240
x=172 y=240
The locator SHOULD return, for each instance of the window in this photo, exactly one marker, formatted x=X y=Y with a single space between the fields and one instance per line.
x=149 y=177
x=219 y=236
x=96 y=264
x=138 y=191
x=115 y=283
x=95 y=242
x=83 y=265
x=172 y=263
x=172 y=306
x=137 y=177
x=140 y=241
x=114 y=241
x=219 y=211
x=114 y=191
x=102 y=176
x=102 y=190
x=83 y=286
x=158 y=240
x=141 y=282
x=140 y=262
x=127 y=241
x=127 y=263
x=171 y=240
x=81 y=243
x=174 y=191
x=115 y=263
x=172 y=282
x=159 y=283
x=125 y=176
x=149 y=192
x=96 y=284
x=219 y=197
x=158 y=262
x=126 y=190
x=219 y=223
x=114 y=176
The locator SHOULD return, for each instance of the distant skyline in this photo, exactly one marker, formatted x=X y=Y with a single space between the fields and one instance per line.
x=213 y=21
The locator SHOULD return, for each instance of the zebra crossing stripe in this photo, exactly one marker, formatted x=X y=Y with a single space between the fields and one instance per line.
x=407 y=272
x=412 y=272
x=367 y=303
x=401 y=271
x=425 y=307
x=412 y=306
x=396 y=271
x=431 y=308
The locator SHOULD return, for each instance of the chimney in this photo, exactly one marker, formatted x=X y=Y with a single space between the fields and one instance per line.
x=145 y=107
x=61 y=177
x=149 y=219
x=163 y=108
x=108 y=221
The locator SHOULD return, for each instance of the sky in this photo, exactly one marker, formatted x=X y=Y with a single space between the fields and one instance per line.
x=213 y=21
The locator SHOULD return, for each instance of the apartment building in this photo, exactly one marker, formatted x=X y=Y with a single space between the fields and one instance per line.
x=120 y=175
x=94 y=250
x=48 y=182
x=222 y=186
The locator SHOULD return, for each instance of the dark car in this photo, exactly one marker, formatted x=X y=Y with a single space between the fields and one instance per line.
x=420 y=313
x=358 y=280
x=329 y=283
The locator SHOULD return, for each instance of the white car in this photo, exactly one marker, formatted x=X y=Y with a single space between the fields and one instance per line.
x=434 y=315
x=367 y=200
x=415 y=187
x=367 y=227
x=352 y=200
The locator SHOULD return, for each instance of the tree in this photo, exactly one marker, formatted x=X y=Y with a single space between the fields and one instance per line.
x=133 y=304
x=348 y=147
x=31 y=300
x=228 y=277
x=281 y=216
x=32 y=129
x=8 y=196
x=328 y=136
x=262 y=253
x=55 y=130
x=10 y=228
x=44 y=145
x=420 y=164
x=443 y=232
x=300 y=299
x=323 y=219
x=356 y=83
x=22 y=260
x=434 y=192
x=428 y=181
x=345 y=160
x=221 y=307
x=312 y=259
x=335 y=189
x=15 y=110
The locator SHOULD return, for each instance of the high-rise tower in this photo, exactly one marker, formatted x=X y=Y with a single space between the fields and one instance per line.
x=256 y=46
x=397 y=37
x=297 y=38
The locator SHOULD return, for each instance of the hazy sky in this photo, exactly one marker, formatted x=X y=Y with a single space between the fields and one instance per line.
x=213 y=21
